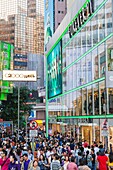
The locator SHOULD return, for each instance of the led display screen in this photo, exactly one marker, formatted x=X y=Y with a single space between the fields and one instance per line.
x=54 y=67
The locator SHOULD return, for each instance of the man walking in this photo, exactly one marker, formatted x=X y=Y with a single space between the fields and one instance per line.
x=27 y=164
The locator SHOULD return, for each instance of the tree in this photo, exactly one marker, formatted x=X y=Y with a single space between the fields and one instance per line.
x=9 y=108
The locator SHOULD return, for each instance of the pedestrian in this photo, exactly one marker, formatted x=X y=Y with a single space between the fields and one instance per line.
x=41 y=162
x=82 y=165
x=78 y=158
x=93 y=159
x=27 y=164
x=72 y=165
x=14 y=164
x=66 y=162
x=4 y=161
x=30 y=155
x=88 y=159
x=110 y=161
x=102 y=160
x=55 y=165
x=35 y=165
x=21 y=161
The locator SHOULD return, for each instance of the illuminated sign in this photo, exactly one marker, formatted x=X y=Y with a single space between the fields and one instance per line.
x=54 y=65
x=14 y=75
x=81 y=18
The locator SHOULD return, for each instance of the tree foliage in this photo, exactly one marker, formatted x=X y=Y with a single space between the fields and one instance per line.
x=9 y=108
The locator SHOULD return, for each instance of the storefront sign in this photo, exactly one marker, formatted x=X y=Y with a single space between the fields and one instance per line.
x=81 y=18
x=12 y=75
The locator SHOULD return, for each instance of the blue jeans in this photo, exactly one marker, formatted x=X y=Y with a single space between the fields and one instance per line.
x=93 y=167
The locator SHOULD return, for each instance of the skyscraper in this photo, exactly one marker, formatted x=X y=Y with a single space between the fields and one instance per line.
x=69 y=4
x=55 y=10
x=25 y=32
x=12 y=7
x=35 y=9
x=60 y=10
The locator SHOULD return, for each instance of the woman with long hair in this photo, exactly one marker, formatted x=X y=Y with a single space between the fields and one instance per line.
x=88 y=159
x=43 y=163
x=35 y=165
x=66 y=162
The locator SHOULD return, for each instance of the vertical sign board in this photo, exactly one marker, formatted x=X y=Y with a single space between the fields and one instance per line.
x=54 y=67
x=6 y=60
x=6 y=54
x=49 y=23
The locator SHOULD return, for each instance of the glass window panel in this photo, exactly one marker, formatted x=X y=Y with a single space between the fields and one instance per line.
x=101 y=24
x=75 y=102
x=88 y=68
x=102 y=97
x=78 y=74
x=96 y=99
x=102 y=59
x=83 y=71
x=94 y=25
x=79 y=102
x=84 y=101
x=109 y=44
x=88 y=36
x=95 y=71
x=89 y=100
x=108 y=17
x=110 y=93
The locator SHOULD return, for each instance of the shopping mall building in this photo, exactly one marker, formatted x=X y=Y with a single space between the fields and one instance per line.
x=79 y=67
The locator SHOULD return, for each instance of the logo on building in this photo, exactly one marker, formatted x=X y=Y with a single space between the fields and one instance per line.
x=81 y=18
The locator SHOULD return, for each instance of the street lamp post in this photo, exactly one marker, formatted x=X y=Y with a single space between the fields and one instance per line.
x=26 y=117
x=18 y=109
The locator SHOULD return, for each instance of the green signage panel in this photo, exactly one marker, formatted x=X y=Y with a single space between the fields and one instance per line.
x=6 y=59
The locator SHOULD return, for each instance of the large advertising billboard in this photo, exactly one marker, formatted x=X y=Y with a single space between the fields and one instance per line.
x=6 y=63
x=54 y=67
x=49 y=23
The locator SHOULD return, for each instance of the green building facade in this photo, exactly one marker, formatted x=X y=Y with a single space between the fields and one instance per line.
x=84 y=102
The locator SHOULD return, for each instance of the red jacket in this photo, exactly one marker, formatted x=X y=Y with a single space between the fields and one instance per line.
x=4 y=163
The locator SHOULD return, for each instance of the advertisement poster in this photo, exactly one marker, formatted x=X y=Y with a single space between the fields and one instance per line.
x=54 y=67
x=48 y=21
x=6 y=63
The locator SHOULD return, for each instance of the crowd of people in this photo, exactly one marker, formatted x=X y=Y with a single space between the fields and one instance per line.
x=57 y=152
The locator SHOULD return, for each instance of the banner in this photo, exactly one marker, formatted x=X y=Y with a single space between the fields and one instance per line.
x=49 y=26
